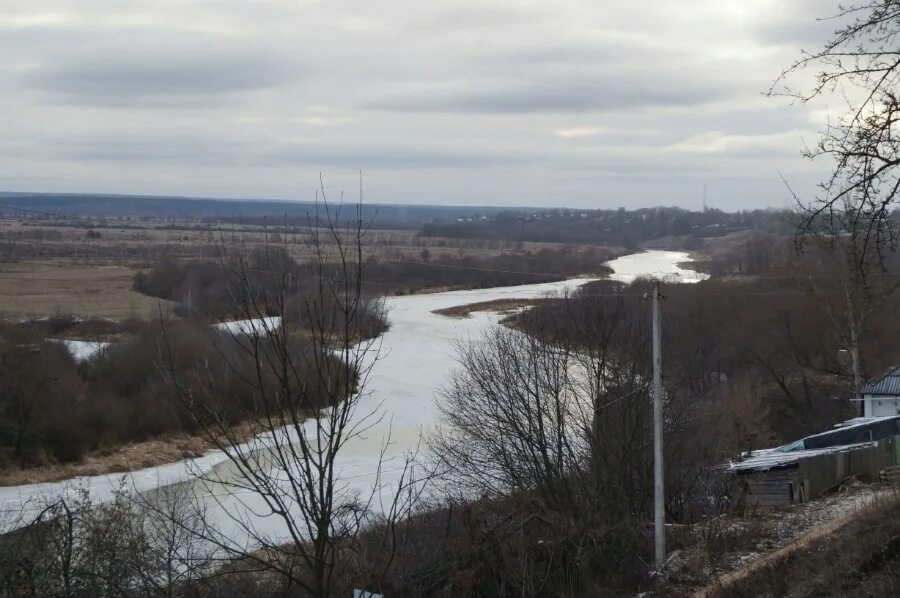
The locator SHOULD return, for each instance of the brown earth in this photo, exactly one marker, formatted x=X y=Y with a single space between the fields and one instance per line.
x=130 y=457
x=43 y=288
x=718 y=556
x=497 y=305
x=855 y=554
x=194 y=241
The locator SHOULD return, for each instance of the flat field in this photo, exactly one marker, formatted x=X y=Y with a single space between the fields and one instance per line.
x=144 y=243
x=85 y=267
x=43 y=288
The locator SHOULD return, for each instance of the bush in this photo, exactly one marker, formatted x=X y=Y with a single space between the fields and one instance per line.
x=69 y=440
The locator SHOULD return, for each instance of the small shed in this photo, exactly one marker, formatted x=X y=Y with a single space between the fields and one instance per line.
x=811 y=466
x=881 y=396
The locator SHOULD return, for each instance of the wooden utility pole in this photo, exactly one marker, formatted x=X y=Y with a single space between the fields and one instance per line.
x=658 y=496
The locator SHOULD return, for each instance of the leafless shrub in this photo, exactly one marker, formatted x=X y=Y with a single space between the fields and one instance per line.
x=563 y=421
x=306 y=407
x=74 y=546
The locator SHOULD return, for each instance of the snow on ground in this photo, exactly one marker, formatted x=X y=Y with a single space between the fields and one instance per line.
x=727 y=549
x=257 y=325
x=414 y=363
x=775 y=528
x=83 y=350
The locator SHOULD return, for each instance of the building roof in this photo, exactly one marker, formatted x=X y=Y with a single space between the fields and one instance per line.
x=860 y=429
x=766 y=459
x=887 y=384
x=857 y=421
x=851 y=435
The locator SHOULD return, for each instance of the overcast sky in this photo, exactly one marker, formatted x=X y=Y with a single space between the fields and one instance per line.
x=584 y=103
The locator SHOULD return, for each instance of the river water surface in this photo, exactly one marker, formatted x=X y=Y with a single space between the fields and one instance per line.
x=415 y=360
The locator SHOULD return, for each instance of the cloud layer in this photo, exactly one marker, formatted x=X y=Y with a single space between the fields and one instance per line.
x=577 y=102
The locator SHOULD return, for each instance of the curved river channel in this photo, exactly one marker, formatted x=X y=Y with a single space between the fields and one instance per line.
x=415 y=361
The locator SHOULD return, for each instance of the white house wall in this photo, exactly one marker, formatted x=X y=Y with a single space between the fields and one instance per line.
x=881 y=407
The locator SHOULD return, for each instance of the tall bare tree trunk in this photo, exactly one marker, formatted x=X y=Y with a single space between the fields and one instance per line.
x=854 y=340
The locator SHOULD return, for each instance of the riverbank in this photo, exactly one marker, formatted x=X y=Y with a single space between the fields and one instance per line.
x=414 y=362
x=122 y=459
x=434 y=320
x=499 y=306
x=154 y=452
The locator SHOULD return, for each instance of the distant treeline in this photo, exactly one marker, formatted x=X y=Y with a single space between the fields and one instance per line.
x=544 y=265
x=603 y=227
x=249 y=211
x=202 y=288
x=625 y=228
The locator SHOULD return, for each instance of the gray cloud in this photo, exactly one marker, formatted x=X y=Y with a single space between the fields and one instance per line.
x=569 y=95
x=605 y=72
x=154 y=79
x=148 y=149
x=225 y=151
x=450 y=100
x=389 y=157
x=801 y=24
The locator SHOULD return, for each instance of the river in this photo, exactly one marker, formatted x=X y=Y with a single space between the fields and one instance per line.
x=415 y=361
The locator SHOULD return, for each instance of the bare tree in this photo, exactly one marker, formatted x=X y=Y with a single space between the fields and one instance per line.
x=558 y=412
x=73 y=546
x=861 y=65
x=548 y=424
x=510 y=418
x=850 y=294
x=303 y=352
x=174 y=554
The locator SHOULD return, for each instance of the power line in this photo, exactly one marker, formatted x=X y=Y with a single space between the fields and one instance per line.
x=476 y=268
x=624 y=396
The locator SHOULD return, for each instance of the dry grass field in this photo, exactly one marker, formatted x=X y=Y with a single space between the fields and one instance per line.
x=141 y=242
x=43 y=288
x=85 y=267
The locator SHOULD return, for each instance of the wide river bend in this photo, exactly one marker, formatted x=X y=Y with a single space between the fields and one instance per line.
x=416 y=359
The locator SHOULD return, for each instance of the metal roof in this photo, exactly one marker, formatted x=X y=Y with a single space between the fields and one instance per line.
x=851 y=435
x=886 y=385
x=766 y=459
x=858 y=421
x=863 y=429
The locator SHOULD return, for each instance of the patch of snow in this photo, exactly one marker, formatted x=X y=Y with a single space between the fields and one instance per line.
x=82 y=350
x=257 y=325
